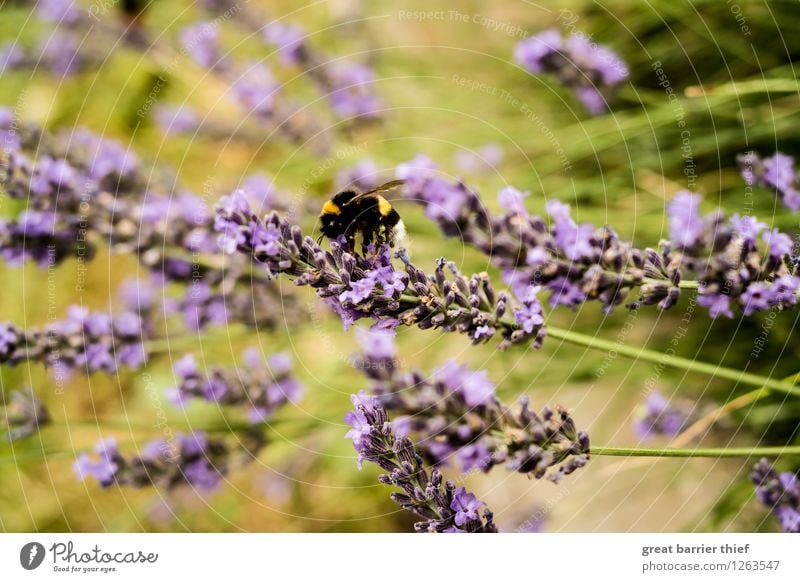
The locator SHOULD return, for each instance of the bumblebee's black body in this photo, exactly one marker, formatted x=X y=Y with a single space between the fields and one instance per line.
x=350 y=213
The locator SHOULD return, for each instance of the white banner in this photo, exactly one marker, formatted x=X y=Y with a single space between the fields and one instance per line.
x=406 y=557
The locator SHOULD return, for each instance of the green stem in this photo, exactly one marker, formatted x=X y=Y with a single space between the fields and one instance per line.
x=712 y=453
x=663 y=359
x=169 y=343
x=745 y=87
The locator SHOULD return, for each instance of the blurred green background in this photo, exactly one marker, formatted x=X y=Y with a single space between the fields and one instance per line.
x=736 y=91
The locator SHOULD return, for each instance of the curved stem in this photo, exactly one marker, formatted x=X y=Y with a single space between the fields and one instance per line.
x=663 y=359
x=712 y=452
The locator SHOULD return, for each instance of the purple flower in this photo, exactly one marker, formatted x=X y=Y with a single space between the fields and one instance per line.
x=685 y=223
x=201 y=41
x=267 y=240
x=780 y=492
x=757 y=297
x=477 y=389
x=565 y=292
x=363 y=176
x=512 y=200
x=60 y=52
x=529 y=316
x=58 y=11
x=475 y=455
x=779 y=244
x=791 y=198
x=132 y=355
x=11 y=57
x=482 y=333
x=177 y=120
x=360 y=426
x=202 y=475
x=401 y=426
x=279 y=364
x=590 y=70
x=575 y=240
x=747 y=227
x=359 y=291
x=194 y=459
x=284 y=390
x=660 y=417
x=444 y=201
x=424 y=493
x=416 y=172
x=590 y=56
x=779 y=171
x=592 y=99
x=260 y=188
x=128 y=324
x=289 y=40
x=107 y=158
x=256 y=90
x=376 y=345
x=488 y=156
x=784 y=290
x=97 y=357
x=8 y=338
x=192 y=444
x=466 y=506
x=789 y=518
x=231 y=232
x=351 y=94
x=104 y=468
x=262 y=386
x=717 y=304
x=532 y=52
x=474 y=387
x=537 y=257
x=776 y=173
x=392 y=282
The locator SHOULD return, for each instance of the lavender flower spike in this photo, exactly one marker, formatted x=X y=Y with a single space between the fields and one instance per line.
x=442 y=507
x=661 y=416
x=578 y=262
x=590 y=70
x=358 y=286
x=94 y=341
x=193 y=459
x=260 y=385
x=780 y=492
x=776 y=173
x=455 y=411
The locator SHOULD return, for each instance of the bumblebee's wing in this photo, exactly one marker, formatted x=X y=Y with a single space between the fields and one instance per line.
x=382 y=188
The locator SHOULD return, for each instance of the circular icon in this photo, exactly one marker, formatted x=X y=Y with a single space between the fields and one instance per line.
x=31 y=555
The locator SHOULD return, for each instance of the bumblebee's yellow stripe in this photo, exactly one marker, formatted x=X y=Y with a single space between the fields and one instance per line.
x=331 y=208
x=383 y=206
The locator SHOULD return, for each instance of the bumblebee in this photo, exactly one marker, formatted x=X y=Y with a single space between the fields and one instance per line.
x=369 y=214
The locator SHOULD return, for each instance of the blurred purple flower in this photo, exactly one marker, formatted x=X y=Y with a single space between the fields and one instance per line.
x=473 y=161
x=685 y=222
x=776 y=173
x=289 y=40
x=661 y=417
x=201 y=41
x=63 y=12
x=780 y=492
x=176 y=120
x=590 y=70
x=364 y=176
